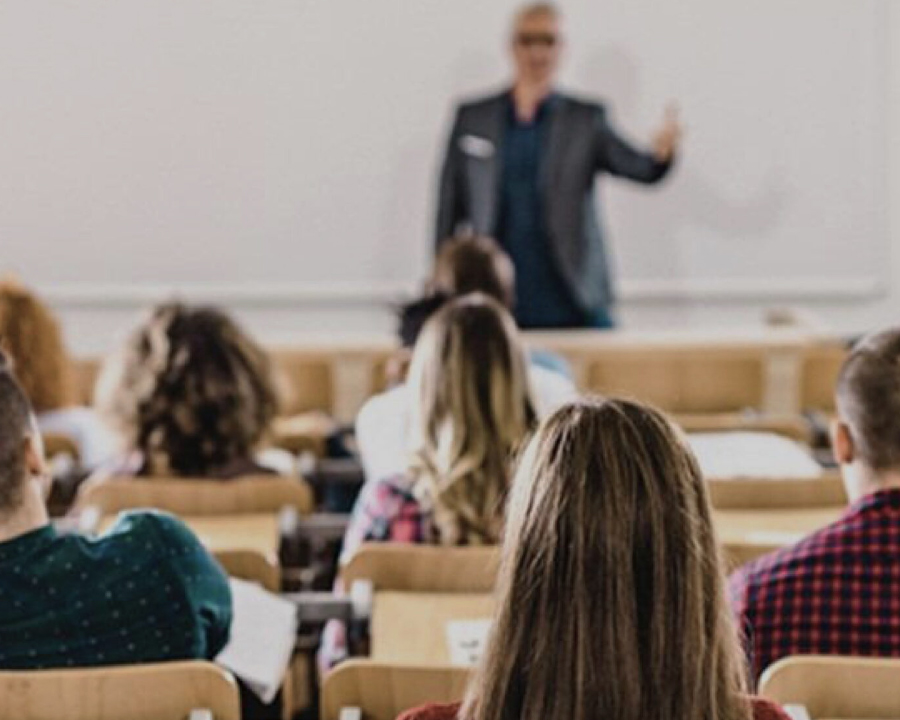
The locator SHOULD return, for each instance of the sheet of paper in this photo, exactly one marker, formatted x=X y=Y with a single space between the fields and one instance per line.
x=797 y=712
x=466 y=640
x=263 y=632
x=752 y=455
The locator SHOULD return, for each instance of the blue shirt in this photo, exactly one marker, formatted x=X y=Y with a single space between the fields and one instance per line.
x=542 y=298
x=145 y=591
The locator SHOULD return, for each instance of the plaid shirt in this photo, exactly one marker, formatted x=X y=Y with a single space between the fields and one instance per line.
x=837 y=592
x=386 y=511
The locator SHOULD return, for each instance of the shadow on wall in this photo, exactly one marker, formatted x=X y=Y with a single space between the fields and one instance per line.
x=688 y=200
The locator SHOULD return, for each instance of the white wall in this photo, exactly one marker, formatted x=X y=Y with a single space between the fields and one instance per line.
x=135 y=123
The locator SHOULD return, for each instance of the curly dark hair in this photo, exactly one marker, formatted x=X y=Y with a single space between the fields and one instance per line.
x=190 y=390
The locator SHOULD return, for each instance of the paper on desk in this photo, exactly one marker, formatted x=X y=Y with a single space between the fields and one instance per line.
x=263 y=631
x=466 y=640
x=752 y=455
x=797 y=712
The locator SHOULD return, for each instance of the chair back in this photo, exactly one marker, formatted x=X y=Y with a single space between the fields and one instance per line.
x=836 y=687
x=251 y=565
x=382 y=691
x=777 y=493
x=186 y=496
x=424 y=568
x=159 y=691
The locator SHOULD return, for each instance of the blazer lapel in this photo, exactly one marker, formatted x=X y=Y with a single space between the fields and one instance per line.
x=494 y=124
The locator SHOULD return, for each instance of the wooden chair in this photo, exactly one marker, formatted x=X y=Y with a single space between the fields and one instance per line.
x=777 y=494
x=185 y=496
x=164 y=691
x=415 y=591
x=836 y=687
x=424 y=568
x=83 y=372
x=251 y=565
x=793 y=427
x=383 y=691
x=59 y=444
x=755 y=517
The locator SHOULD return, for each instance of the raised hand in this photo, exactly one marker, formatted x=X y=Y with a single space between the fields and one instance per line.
x=668 y=137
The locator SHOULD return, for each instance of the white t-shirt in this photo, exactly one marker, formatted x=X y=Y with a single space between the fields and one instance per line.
x=383 y=422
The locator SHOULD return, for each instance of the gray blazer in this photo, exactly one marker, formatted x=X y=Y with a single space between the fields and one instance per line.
x=579 y=144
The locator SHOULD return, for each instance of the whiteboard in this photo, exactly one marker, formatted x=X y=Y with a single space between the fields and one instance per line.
x=295 y=143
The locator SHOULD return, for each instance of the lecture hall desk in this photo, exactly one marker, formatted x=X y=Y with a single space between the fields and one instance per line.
x=410 y=627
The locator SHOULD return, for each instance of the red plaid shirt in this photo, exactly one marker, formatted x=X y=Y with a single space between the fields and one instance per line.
x=386 y=511
x=837 y=592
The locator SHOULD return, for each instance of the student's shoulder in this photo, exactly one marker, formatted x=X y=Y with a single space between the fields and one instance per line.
x=156 y=531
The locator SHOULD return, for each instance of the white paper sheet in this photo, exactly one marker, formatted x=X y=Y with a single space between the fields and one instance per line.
x=466 y=640
x=263 y=632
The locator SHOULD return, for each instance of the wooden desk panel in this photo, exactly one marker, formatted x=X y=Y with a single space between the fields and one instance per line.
x=747 y=534
x=411 y=628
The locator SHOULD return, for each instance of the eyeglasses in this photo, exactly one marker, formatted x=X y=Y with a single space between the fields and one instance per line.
x=547 y=40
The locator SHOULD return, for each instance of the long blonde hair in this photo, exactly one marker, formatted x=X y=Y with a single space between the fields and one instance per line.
x=611 y=601
x=471 y=409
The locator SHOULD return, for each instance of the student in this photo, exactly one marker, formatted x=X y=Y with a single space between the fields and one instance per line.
x=144 y=591
x=470 y=408
x=190 y=395
x=464 y=264
x=836 y=591
x=610 y=599
x=31 y=337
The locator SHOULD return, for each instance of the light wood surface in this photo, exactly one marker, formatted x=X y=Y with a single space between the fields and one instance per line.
x=258 y=532
x=195 y=496
x=164 y=691
x=776 y=371
x=411 y=627
x=424 y=568
x=748 y=534
x=836 y=687
x=777 y=493
x=384 y=691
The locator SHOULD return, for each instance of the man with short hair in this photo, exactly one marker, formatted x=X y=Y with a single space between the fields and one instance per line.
x=144 y=591
x=521 y=165
x=837 y=592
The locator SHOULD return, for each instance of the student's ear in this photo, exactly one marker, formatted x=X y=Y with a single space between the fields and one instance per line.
x=842 y=443
x=36 y=462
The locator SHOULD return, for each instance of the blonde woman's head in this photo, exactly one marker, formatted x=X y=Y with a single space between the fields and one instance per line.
x=610 y=596
x=471 y=409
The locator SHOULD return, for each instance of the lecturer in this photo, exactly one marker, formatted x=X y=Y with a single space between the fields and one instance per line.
x=520 y=166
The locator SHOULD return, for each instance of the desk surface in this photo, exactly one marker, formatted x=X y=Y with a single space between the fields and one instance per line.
x=747 y=534
x=411 y=628
x=237 y=532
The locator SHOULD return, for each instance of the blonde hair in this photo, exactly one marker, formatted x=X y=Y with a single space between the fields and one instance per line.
x=30 y=334
x=610 y=595
x=190 y=390
x=471 y=409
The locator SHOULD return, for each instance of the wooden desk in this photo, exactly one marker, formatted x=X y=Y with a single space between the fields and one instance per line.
x=257 y=532
x=747 y=534
x=411 y=627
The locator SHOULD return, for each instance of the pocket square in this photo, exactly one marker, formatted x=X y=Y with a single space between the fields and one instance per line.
x=476 y=146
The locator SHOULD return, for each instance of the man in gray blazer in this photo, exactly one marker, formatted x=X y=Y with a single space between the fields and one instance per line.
x=521 y=166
